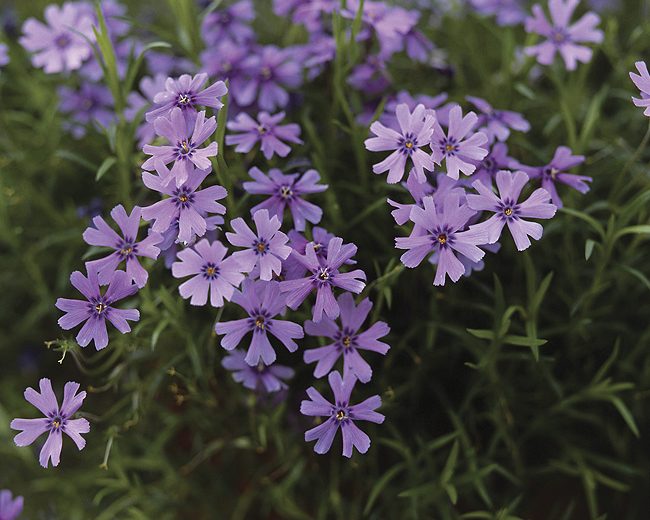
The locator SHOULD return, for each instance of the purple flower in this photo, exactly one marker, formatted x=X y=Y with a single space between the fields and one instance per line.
x=507 y=209
x=347 y=339
x=371 y=76
x=497 y=123
x=459 y=151
x=186 y=93
x=416 y=130
x=224 y=60
x=183 y=149
x=270 y=71
x=287 y=190
x=10 y=508
x=555 y=172
x=56 y=422
x=507 y=12
x=185 y=203
x=98 y=307
x=265 y=249
x=212 y=272
x=642 y=82
x=4 y=59
x=443 y=233
x=91 y=103
x=230 y=23
x=324 y=277
x=266 y=130
x=262 y=301
x=497 y=159
x=389 y=118
x=260 y=377
x=562 y=37
x=60 y=45
x=126 y=247
x=294 y=269
x=340 y=414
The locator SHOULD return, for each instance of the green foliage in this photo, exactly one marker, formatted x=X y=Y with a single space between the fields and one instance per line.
x=520 y=392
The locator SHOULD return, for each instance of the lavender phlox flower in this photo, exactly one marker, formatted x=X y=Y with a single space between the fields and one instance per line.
x=185 y=203
x=461 y=145
x=211 y=272
x=270 y=72
x=642 y=82
x=561 y=36
x=183 y=149
x=90 y=104
x=371 y=76
x=497 y=159
x=61 y=45
x=56 y=422
x=287 y=191
x=224 y=60
x=10 y=507
x=265 y=249
x=98 y=307
x=265 y=130
x=126 y=247
x=444 y=233
x=507 y=209
x=416 y=131
x=347 y=340
x=555 y=172
x=325 y=275
x=232 y=22
x=315 y=54
x=507 y=12
x=320 y=239
x=497 y=123
x=263 y=302
x=261 y=377
x=187 y=93
x=340 y=414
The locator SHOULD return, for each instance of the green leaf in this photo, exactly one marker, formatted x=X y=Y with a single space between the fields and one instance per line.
x=105 y=166
x=589 y=248
x=626 y=414
x=637 y=274
x=643 y=229
x=380 y=485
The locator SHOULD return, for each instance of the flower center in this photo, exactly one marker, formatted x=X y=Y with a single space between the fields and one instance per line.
x=183 y=198
x=323 y=274
x=185 y=147
x=347 y=341
x=442 y=239
x=266 y=73
x=100 y=307
x=260 y=323
x=449 y=148
x=508 y=212
x=559 y=35
x=62 y=41
x=184 y=99
x=210 y=271
x=286 y=192
x=56 y=423
x=262 y=129
x=340 y=415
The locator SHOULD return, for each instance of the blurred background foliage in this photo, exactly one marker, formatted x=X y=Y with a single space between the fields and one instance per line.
x=520 y=392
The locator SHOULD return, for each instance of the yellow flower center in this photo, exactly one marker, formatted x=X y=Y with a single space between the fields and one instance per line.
x=259 y=322
x=508 y=212
x=100 y=307
x=347 y=341
x=261 y=247
x=442 y=239
x=340 y=415
x=449 y=148
x=183 y=198
x=211 y=271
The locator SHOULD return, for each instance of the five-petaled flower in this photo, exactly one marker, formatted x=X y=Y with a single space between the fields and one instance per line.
x=325 y=275
x=183 y=149
x=98 y=307
x=127 y=248
x=562 y=37
x=268 y=378
x=459 y=151
x=265 y=249
x=442 y=231
x=57 y=421
x=416 y=130
x=507 y=209
x=347 y=339
x=287 y=191
x=210 y=270
x=266 y=130
x=262 y=301
x=340 y=414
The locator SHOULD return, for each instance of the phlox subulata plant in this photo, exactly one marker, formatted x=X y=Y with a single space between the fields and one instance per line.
x=324 y=259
